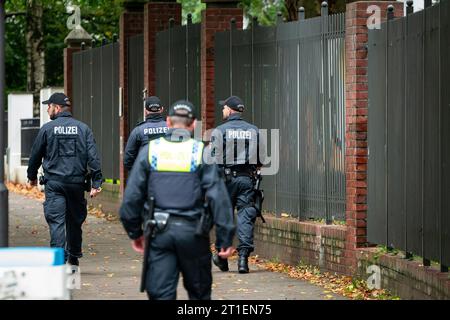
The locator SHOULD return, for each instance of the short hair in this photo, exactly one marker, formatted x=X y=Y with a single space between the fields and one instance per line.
x=66 y=108
x=236 y=111
x=185 y=121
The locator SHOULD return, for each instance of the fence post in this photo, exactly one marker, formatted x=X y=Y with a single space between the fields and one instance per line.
x=409 y=10
x=279 y=17
x=277 y=95
x=427 y=3
x=409 y=7
x=325 y=103
x=390 y=16
x=301 y=13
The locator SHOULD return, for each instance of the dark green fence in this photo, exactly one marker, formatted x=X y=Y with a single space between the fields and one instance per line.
x=409 y=130
x=291 y=78
x=96 y=101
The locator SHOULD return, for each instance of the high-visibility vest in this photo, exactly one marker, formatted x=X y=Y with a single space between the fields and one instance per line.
x=167 y=156
x=174 y=180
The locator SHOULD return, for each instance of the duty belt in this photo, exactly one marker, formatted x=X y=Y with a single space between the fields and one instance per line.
x=237 y=173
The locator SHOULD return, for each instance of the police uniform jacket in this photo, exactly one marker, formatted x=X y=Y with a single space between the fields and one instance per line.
x=68 y=149
x=179 y=189
x=239 y=142
x=152 y=128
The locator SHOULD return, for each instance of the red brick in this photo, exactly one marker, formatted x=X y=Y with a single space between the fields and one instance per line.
x=214 y=19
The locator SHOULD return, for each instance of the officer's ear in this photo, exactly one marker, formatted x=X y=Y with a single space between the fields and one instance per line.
x=193 y=125
x=169 y=122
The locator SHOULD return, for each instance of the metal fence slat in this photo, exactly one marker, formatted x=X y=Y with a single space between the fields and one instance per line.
x=395 y=138
x=376 y=199
x=414 y=132
x=432 y=174
x=445 y=133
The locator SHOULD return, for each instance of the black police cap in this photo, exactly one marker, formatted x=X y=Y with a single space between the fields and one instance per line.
x=58 y=98
x=153 y=104
x=182 y=108
x=234 y=103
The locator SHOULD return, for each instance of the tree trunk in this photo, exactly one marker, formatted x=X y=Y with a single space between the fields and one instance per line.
x=35 y=50
x=292 y=7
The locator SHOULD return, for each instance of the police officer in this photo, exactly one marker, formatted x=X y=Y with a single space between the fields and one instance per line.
x=172 y=170
x=153 y=127
x=239 y=158
x=68 y=149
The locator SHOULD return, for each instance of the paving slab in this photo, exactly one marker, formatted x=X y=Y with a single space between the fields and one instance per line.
x=110 y=269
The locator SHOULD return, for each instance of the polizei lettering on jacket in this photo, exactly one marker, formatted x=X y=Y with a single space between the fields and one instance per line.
x=239 y=134
x=66 y=130
x=149 y=131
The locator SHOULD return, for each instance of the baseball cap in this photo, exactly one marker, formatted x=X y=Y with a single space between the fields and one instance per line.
x=152 y=103
x=182 y=108
x=58 y=98
x=234 y=103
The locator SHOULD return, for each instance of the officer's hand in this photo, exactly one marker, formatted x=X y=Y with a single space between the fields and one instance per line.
x=95 y=192
x=33 y=183
x=226 y=253
x=138 y=245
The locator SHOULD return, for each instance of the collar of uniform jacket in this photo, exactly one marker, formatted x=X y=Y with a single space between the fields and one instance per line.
x=154 y=118
x=235 y=116
x=63 y=114
x=178 y=135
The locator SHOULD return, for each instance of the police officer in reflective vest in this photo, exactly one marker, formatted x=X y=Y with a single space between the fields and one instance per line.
x=153 y=127
x=69 y=151
x=171 y=170
x=238 y=145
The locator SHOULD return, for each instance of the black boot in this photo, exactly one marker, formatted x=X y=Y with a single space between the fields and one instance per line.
x=221 y=263
x=243 y=262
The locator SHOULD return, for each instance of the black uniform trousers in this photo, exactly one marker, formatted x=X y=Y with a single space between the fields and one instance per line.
x=241 y=193
x=177 y=249
x=65 y=211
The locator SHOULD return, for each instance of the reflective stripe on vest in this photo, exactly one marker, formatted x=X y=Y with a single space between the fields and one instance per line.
x=166 y=156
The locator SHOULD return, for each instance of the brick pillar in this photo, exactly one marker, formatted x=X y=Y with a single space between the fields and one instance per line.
x=68 y=70
x=156 y=18
x=215 y=18
x=131 y=24
x=74 y=41
x=356 y=84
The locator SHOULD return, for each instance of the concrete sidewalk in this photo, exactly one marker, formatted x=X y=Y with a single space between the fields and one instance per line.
x=110 y=269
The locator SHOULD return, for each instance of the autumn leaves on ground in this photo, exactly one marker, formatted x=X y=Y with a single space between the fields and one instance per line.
x=331 y=283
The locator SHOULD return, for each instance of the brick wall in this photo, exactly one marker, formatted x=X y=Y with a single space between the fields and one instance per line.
x=131 y=24
x=356 y=84
x=295 y=242
x=213 y=20
x=156 y=18
x=404 y=278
